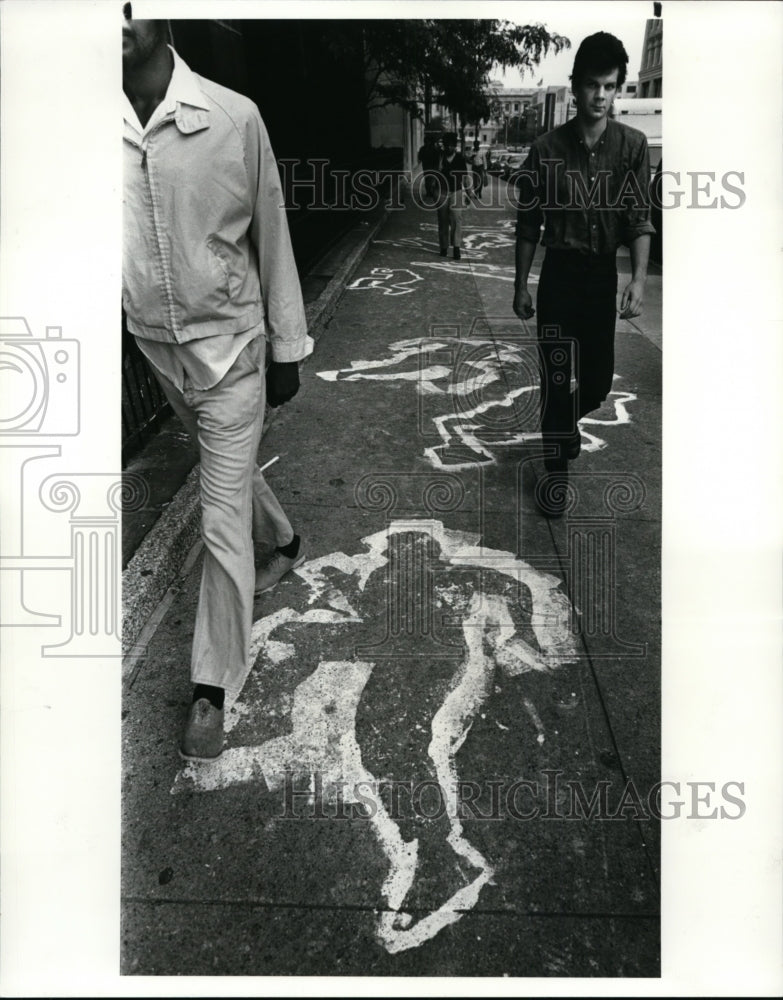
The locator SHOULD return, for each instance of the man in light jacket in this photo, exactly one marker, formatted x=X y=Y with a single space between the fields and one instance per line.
x=208 y=279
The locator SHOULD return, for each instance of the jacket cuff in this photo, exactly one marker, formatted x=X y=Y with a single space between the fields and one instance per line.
x=296 y=350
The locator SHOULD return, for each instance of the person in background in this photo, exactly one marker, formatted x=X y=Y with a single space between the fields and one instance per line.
x=478 y=166
x=429 y=158
x=453 y=177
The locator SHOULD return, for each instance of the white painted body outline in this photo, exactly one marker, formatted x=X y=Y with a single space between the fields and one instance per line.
x=475 y=240
x=323 y=738
x=464 y=427
x=388 y=280
x=499 y=272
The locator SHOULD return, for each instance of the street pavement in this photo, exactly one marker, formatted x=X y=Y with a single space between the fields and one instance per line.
x=440 y=690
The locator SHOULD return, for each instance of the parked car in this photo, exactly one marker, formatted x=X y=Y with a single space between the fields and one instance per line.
x=512 y=163
x=495 y=159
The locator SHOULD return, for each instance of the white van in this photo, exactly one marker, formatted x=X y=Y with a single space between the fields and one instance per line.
x=644 y=114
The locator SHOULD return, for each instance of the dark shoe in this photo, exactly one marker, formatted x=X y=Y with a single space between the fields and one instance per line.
x=203 y=737
x=457 y=254
x=573 y=445
x=444 y=253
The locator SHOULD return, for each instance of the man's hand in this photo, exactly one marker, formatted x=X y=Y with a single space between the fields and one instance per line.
x=631 y=302
x=282 y=382
x=523 y=303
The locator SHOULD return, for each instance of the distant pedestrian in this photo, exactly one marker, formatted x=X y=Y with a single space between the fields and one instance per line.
x=208 y=278
x=454 y=178
x=429 y=158
x=478 y=168
x=587 y=181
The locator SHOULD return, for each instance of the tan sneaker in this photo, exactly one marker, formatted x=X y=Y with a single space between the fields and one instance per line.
x=270 y=575
x=203 y=736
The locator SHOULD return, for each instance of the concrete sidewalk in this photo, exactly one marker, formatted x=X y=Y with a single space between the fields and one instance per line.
x=442 y=688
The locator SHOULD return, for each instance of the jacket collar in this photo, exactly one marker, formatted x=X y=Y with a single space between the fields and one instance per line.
x=184 y=99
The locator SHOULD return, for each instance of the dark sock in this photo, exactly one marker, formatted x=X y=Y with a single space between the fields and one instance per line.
x=214 y=695
x=290 y=551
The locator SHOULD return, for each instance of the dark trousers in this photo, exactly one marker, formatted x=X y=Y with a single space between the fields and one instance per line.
x=575 y=320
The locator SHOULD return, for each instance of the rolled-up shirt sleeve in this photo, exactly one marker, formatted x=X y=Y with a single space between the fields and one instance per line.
x=284 y=310
x=530 y=215
x=636 y=221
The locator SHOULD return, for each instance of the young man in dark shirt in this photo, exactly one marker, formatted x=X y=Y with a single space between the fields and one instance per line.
x=587 y=183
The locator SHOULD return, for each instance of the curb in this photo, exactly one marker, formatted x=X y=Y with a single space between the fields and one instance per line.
x=154 y=566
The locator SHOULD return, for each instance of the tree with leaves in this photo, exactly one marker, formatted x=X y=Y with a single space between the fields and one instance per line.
x=471 y=50
x=410 y=63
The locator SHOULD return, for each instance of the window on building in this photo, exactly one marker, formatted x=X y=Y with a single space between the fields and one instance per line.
x=516 y=107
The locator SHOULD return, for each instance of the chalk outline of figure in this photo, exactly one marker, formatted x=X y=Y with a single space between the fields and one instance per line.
x=422 y=245
x=380 y=277
x=486 y=373
x=323 y=729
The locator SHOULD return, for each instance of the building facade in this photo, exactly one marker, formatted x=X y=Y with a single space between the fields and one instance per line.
x=553 y=106
x=395 y=128
x=651 y=69
x=518 y=114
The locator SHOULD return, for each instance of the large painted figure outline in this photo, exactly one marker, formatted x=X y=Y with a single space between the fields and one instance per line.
x=322 y=737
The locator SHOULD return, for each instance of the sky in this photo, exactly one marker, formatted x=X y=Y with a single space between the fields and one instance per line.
x=626 y=20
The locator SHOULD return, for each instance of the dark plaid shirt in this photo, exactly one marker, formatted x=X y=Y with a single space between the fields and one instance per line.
x=587 y=200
